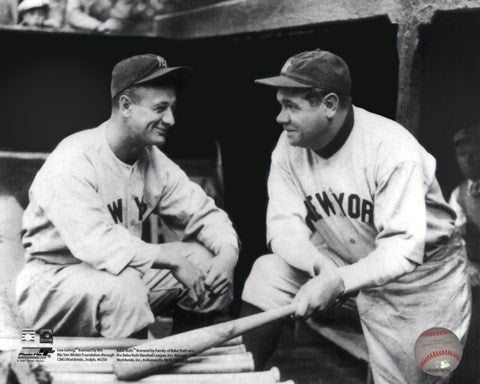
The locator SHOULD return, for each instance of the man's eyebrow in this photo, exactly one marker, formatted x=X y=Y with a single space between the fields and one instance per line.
x=163 y=104
x=287 y=101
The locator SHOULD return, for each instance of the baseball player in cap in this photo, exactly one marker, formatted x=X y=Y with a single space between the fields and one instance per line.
x=87 y=270
x=355 y=209
x=465 y=199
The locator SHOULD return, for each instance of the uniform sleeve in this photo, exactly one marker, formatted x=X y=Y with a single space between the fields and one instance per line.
x=461 y=219
x=287 y=233
x=185 y=204
x=68 y=195
x=400 y=219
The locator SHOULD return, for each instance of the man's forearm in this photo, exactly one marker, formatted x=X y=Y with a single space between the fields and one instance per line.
x=163 y=257
x=228 y=250
x=301 y=254
x=158 y=256
x=374 y=272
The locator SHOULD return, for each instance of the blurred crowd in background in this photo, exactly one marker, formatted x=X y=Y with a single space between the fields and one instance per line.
x=96 y=16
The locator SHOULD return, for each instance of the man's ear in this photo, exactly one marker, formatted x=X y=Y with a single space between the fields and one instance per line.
x=125 y=105
x=331 y=102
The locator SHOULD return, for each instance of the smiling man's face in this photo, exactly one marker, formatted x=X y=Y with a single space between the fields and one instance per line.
x=306 y=125
x=152 y=115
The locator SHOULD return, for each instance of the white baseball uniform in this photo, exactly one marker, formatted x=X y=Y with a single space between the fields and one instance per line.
x=87 y=270
x=374 y=207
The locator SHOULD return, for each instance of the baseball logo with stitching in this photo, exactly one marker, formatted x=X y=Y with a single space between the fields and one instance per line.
x=438 y=351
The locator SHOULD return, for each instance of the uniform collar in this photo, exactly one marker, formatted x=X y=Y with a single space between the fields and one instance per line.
x=340 y=138
x=473 y=188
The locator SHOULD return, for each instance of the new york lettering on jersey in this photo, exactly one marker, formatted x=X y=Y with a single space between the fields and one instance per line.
x=116 y=209
x=325 y=204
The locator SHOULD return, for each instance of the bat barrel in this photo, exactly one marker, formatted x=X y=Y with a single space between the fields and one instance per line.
x=235 y=341
x=242 y=362
x=191 y=343
x=266 y=377
x=225 y=350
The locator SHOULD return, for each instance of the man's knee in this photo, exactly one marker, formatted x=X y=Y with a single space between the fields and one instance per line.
x=267 y=270
x=124 y=307
x=125 y=290
x=271 y=283
x=266 y=264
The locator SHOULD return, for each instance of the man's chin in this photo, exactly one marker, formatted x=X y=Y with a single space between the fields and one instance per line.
x=294 y=142
x=158 y=141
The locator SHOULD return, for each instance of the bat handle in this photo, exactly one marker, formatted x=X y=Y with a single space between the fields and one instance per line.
x=245 y=324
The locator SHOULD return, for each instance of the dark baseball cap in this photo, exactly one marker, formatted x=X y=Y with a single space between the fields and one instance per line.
x=470 y=134
x=313 y=69
x=144 y=68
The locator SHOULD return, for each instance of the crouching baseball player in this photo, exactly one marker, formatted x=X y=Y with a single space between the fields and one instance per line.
x=87 y=271
x=354 y=206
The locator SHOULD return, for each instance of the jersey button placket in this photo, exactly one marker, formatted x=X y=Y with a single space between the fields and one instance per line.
x=130 y=223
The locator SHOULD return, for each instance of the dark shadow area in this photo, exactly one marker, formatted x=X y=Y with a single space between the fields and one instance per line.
x=450 y=87
x=54 y=84
x=450 y=101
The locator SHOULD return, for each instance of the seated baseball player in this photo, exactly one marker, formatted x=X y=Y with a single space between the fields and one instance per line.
x=88 y=273
x=354 y=207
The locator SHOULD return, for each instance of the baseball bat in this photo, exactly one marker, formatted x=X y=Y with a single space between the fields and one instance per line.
x=246 y=365
x=266 y=377
x=235 y=341
x=9 y=343
x=228 y=350
x=179 y=347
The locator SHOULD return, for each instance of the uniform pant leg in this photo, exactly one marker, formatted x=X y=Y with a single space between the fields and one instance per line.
x=79 y=300
x=436 y=294
x=166 y=291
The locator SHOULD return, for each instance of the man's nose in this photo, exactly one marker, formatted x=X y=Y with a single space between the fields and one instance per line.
x=168 y=118
x=282 y=117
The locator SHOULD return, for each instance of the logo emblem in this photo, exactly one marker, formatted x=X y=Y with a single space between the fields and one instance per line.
x=28 y=335
x=287 y=66
x=46 y=335
x=161 y=62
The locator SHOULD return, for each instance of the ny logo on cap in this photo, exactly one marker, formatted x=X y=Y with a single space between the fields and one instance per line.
x=287 y=65
x=161 y=62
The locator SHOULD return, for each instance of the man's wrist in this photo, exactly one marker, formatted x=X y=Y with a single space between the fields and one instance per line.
x=341 y=282
x=334 y=276
x=322 y=264
x=166 y=258
x=348 y=281
x=228 y=250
